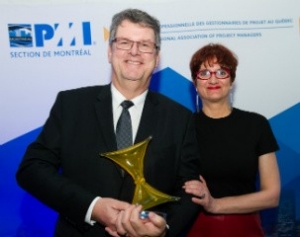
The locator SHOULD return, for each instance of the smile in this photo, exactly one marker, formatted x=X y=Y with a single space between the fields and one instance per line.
x=133 y=62
x=213 y=87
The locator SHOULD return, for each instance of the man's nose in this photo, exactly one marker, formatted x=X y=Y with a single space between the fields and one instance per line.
x=135 y=48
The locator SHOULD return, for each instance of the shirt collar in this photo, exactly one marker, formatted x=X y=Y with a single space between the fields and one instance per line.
x=118 y=98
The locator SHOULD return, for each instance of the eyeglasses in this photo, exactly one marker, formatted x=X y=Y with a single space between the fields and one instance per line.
x=143 y=46
x=206 y=74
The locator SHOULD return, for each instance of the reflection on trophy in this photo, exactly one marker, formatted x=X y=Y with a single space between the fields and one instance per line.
x=131 y=159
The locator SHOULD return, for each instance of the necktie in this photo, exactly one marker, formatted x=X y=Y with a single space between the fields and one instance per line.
x=124 y=139
x=124 y=127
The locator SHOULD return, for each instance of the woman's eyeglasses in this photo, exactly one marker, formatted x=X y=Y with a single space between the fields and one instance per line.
x=206 y=74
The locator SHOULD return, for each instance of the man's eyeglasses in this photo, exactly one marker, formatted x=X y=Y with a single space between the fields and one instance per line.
x=206 y=74
x=143 y=46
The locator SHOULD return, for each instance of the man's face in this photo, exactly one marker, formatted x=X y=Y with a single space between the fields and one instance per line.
x=132 y=65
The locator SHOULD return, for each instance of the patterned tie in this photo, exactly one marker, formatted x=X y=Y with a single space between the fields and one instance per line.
x=124 y=139
x=124 y=128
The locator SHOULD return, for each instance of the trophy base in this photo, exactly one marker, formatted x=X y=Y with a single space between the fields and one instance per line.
x=144 y=214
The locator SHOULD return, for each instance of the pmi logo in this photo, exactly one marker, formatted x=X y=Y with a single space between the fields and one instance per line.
x=20 y=35
x=44 y=35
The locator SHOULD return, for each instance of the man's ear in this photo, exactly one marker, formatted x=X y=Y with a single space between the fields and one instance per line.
x=157 y=59
x=109 y=53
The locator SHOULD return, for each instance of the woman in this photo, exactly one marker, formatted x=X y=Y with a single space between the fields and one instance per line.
x=235 y=146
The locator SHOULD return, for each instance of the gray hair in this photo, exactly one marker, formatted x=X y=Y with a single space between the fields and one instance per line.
x=135 y=16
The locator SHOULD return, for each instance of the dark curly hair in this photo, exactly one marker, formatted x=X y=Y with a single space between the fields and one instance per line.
x=214 y=53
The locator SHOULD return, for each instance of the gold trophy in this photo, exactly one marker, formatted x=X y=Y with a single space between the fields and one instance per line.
x=131 y=159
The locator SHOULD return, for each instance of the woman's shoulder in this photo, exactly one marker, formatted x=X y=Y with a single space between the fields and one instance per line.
x=251 y=115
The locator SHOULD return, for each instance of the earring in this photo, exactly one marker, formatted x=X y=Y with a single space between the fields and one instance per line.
x=231 y=94
x=197 y=102
x=231 y=98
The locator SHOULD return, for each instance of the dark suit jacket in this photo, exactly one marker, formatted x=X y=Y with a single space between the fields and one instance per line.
x=64 y=170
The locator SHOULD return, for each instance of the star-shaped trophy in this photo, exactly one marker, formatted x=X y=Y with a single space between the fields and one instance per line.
x=131 y=159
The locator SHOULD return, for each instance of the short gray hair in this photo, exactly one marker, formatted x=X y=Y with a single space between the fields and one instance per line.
x=135 y=16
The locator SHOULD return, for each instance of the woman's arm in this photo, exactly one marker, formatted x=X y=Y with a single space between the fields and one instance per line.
x=266 y=197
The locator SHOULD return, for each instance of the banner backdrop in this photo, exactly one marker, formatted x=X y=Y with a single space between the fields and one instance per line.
x=46 y=48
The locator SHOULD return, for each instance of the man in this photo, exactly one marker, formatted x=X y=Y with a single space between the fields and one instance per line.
x=92 y=195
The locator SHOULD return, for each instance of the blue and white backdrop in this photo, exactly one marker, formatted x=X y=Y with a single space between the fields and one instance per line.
x=56 y=45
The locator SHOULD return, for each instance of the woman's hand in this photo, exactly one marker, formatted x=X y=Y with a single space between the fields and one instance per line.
x=199 y=189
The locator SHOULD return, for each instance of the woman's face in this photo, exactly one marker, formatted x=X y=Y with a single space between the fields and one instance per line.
x=216 y=85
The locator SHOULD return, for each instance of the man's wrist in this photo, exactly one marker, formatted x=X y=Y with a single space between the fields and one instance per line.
x=166 y=231
x=88 y=217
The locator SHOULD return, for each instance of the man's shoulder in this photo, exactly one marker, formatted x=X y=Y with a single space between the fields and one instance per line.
x=84 y=90
x=167 y=102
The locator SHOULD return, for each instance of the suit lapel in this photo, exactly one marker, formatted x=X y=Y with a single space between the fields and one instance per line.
x=149 y=115
x=103 y=108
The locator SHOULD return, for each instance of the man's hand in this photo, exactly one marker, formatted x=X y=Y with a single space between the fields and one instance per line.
x=130 y=224
x=107 y=210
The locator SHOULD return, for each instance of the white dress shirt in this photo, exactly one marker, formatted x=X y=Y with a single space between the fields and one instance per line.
x=135 y=113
